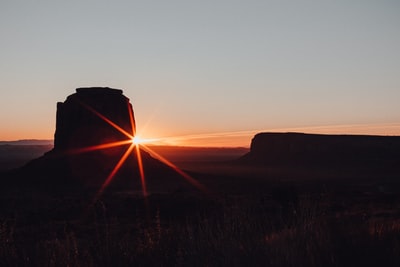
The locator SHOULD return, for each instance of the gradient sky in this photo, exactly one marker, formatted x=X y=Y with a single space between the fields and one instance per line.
x=205 y=70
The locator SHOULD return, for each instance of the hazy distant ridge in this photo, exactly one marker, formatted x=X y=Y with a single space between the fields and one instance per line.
x=28 y=142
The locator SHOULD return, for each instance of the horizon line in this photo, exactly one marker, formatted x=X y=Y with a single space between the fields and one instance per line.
x=243 y=138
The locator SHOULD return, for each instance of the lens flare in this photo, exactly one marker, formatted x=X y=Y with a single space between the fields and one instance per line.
x=132 y=121
x=98 y=147
x=136 y=142
x=104 y=118
x=116 y=169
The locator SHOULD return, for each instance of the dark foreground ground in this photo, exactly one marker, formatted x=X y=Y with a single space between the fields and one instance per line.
x=249 y=216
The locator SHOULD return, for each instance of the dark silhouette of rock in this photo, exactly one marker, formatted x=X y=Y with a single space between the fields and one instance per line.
x=89 y=118
x=319 y=149
x=78 y=122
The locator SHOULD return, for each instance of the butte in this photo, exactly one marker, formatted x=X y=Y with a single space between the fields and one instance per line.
x=93 y=150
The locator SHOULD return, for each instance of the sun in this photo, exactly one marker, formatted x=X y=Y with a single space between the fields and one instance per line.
x=137 y=140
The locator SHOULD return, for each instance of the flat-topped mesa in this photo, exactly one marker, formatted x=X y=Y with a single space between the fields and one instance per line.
x=91 y=117
x=283 y=148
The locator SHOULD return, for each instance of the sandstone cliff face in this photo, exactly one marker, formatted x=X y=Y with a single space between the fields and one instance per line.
x=299 y=148
x=78 y=125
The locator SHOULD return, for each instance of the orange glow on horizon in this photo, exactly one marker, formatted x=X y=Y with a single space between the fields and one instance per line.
x=234 y=138
x=243 y=138
x=137 y=140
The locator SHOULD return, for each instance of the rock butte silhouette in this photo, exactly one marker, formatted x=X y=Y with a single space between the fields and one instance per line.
x=88 y=118
x=322 y=150
x=77 y=124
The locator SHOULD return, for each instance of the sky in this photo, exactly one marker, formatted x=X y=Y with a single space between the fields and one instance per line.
x=205 y=72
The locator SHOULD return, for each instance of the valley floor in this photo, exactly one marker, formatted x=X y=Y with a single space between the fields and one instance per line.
x=268 y=219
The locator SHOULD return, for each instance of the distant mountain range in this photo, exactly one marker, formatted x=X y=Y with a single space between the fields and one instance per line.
x=15 y=154
x=28 y=142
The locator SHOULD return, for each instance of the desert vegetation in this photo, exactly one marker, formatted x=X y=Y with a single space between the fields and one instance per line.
x=285 y=225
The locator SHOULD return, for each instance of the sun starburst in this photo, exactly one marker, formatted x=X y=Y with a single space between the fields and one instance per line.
x=136 y=143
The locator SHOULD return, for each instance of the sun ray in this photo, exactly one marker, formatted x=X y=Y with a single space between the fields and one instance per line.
x=141 y=170
x=98 y=147
x=132 y=121
x=101 y=116
x=134 y=143
x=115 y=170
x=188 y=178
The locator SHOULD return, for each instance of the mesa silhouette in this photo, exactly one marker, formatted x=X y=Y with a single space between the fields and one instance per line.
x=94 y=131
x=323 y=150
